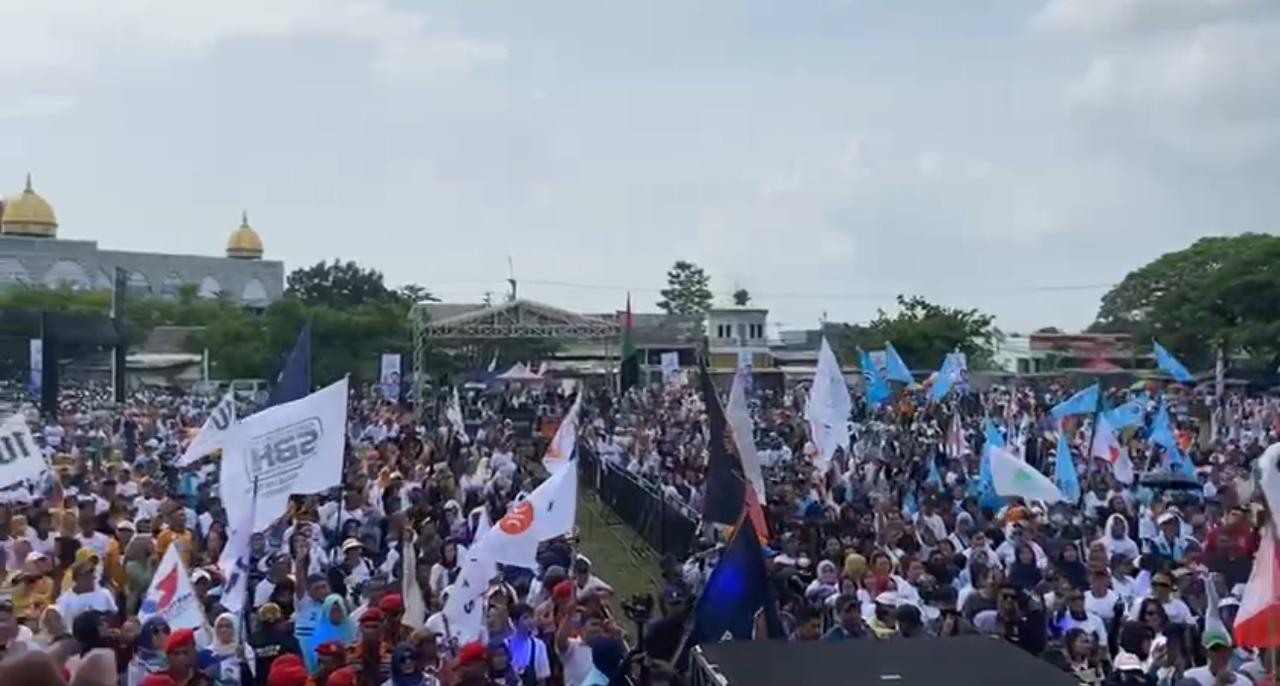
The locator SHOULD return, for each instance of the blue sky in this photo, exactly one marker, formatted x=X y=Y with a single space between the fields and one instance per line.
x=1012 y=156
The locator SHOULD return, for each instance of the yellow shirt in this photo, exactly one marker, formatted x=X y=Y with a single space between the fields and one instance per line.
x=184 y=540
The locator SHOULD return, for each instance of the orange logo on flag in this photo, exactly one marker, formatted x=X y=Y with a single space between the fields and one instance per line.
x=518 y=519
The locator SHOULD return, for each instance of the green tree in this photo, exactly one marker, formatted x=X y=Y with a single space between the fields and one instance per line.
x=1222 y=290
x=339 y=285
x=923 y=333
x=688 y=290
x=741 y=297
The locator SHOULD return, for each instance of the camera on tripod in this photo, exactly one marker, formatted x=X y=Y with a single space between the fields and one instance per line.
x=639 y=608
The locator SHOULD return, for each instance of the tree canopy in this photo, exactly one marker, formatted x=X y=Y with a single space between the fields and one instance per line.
x=344 y=285
x=1222 y=290
x=923 y=333
x=741 y=297
x=688 y=290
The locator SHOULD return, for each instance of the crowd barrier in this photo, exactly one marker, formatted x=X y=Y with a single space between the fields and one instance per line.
x=668 y=528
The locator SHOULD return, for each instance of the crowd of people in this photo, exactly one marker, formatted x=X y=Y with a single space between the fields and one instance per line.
x=328 y=593
x=1133 y=582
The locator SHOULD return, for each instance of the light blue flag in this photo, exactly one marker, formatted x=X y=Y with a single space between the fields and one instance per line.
x=895 y=368
x=986 y=482
x=910 y=503
x=1064 y=474
x=946 y=375
x=932 y=477
x=1083 y=402
x=1162 y=435
x=876 y=388
x=1128 y=414
x=1170 y=364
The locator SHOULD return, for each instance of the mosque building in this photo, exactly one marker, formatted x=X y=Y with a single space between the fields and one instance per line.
x=32 y=253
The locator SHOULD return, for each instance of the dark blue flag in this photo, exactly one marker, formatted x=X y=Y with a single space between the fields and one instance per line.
x=736 y=592
x=295 y=378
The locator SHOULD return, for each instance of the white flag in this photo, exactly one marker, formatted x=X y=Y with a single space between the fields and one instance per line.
x=294 y=448
x=234 y=561
x=214 y=433
x=415 y=608
x=453 y=413
x=560 y=449
x=1015 y=478
x=545 y=513
x=743 y=436
x=1106 y=446
x=1269 y=479
x=20 y=458
x=828 y=408
x=170 y=595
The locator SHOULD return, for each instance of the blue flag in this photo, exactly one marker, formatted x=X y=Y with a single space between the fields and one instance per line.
x=1128 y=414
x=1083 y=402
x=1064 y=474
x=895 y=368
x=736 y=591
x=1162 y=435
x=1170 y=364
x=986 y=481
x=295 y=377
x=876 y=388
x=947 y=375
x=932 y=476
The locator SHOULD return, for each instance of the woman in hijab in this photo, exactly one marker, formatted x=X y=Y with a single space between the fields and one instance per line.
x=227 y=663
x=1069 y=566
x=406 y=666
x=1023 y=572
x=335 y=625
x=827 y=583
x=148 y=651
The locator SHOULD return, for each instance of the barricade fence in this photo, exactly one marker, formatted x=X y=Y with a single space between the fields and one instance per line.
x=668 y=527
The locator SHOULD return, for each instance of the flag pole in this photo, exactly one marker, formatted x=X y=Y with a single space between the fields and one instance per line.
x=1093 y=434
x=247 y=609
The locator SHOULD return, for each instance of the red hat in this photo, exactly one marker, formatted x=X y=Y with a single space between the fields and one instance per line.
x=371 y=615
x=472 y=653
x=157 y=680
x=562 y=590
x=391 y=603
x=287 y=670
x=331 y=649
x=343 y=677
x=180 y=638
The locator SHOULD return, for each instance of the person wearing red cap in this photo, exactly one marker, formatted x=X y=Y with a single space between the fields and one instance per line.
x=180 y=650
x=331 y=656
x=472 y=664
x=157 y=680
x=343 y=677
x=287 y=670
x=369 y=653
x=394 y=632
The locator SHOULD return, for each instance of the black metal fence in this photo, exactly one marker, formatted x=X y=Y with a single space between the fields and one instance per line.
x=666 y=526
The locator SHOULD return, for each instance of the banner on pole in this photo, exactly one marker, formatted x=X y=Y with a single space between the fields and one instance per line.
x=389 y=376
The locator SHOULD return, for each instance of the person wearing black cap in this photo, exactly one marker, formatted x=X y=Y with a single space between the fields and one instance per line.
x=662 y=635
x=848 y=620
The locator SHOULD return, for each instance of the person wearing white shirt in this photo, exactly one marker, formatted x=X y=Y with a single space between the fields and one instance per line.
x=1219 y=648
x=84 y=595
x=1162 y=592
x=1101 y=599
x=1008 y=551
x=1076 y=616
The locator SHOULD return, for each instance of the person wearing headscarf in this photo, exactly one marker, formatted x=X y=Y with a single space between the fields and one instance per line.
x=827 y=584
x=334 y=625
x=1069 y=566
x=1024 y=573
x=273 y=638
x=148 y=651
x=1116 y=538
x=407 y=668
x=227 y=661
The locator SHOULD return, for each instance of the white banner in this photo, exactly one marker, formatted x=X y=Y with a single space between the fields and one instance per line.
x=170 y=595
x=294 y=448
x=389 y=376
x=20 y=457
x=546 y=513
x=213 y=434
x=670 y=366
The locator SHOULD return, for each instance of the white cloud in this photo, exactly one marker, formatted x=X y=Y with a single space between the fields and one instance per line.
x=1197 y=74
x=57 y=44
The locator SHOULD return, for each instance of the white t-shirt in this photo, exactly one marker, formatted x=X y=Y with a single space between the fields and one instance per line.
x=526 y=650
x=72 y=604
x=577 y=662
x=1204 y=677
x=1104 y=607
x=97 y=542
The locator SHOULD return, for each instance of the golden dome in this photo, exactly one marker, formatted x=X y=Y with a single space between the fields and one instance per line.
x=244 y=243
x=28 y=215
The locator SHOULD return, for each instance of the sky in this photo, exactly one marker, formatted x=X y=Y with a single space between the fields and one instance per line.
x=1018 y=157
